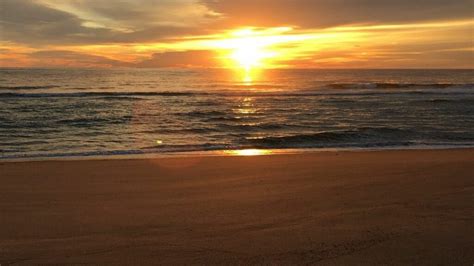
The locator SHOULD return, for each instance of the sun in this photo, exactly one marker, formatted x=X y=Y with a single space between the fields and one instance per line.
x=251 y=50
x=248 y=52
x=248 y=56
x=247 y=49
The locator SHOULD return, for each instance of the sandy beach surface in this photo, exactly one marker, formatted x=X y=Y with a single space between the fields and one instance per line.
x=412 y=207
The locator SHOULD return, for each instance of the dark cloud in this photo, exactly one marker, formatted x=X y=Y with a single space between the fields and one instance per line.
x=180 y=59
x=65 y=58
x=140 y=14
x=157 y=60
x=324 y=13
x=29 y=22
x=25 y=21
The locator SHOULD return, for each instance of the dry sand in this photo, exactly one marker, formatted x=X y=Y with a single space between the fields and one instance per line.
x=328 y=208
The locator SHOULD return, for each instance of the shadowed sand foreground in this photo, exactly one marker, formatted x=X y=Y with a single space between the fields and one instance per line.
x=328 y=208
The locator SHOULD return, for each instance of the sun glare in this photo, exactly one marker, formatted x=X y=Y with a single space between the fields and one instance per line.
x=248 y=56
x=247 y=49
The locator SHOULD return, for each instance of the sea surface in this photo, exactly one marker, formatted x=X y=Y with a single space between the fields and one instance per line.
x=101 y=112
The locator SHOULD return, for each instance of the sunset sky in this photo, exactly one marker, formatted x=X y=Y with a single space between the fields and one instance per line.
x=237 y=33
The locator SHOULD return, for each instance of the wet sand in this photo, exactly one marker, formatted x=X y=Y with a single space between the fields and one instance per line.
x=327 y=208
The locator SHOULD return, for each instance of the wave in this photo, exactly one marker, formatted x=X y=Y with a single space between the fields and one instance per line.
x=28 y=87
x=141 y=151
x=361 y=136
x=204 y=114
x=169 y=150
x=95 y=94
x=79 y=122
x=138 y=95
x=443 y=101
x=388 y=85
x=339 y=89
x=207 y=103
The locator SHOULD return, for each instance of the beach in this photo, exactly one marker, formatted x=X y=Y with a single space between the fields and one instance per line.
x=392 y=207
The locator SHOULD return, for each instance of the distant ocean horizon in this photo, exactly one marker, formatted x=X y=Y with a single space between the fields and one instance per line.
x=103 y=112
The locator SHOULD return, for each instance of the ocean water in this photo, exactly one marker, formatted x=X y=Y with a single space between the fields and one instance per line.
x=81 y=112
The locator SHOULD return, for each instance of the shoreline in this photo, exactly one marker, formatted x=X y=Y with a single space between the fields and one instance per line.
x=227 y=152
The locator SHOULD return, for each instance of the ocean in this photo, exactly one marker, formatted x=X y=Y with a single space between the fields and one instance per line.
x=103 y=112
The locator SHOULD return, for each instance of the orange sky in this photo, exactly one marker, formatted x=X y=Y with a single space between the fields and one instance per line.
x=242 y=34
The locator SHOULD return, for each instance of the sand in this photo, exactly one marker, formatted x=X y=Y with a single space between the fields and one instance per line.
x=324 y=208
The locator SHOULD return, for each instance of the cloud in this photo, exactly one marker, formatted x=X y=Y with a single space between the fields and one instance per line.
x=51 y=58
x=64 y=58
x=325 y=13
x=153 y=33
x=180 y=59
x=137 y=14
x=69 y=22
x=25 y=21
x=387 y=59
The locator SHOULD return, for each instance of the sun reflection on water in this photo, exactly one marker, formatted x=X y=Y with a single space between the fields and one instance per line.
x=248 y=152
x=246 y=107
x=247 y=79
x=248 y=76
